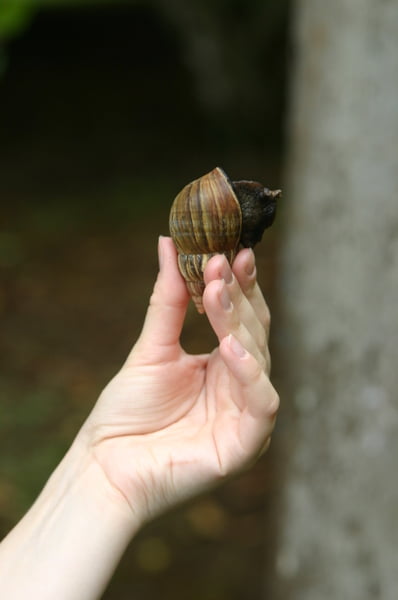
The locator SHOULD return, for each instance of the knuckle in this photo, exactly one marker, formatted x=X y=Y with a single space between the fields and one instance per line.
x=257 y=370
x=273 y=400
x=249 y=287
x=154 y=299
x=262 y=340
x=262 y=362
x=266 y=318
x=268 y=361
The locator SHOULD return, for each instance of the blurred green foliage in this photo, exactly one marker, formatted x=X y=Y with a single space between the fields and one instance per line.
x=14 y=17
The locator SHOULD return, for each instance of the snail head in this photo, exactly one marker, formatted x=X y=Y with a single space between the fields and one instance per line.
x=258 y=205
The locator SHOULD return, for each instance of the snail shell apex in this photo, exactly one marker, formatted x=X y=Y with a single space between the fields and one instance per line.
x=213 y=215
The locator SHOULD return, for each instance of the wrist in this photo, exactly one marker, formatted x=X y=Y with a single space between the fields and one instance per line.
x=79 y=520
x=79 y=480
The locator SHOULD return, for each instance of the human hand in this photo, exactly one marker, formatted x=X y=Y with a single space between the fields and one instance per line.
x=167 y=427
x=171 y=424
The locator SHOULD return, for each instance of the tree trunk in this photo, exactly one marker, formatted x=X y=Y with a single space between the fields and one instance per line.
x=339 y=538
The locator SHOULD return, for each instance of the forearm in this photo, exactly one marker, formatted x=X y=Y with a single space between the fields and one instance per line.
x=69 y=543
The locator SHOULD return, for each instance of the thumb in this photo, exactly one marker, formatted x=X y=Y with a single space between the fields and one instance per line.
x=159 y=339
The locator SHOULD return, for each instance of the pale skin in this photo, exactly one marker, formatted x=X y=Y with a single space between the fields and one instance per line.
x=169 y=426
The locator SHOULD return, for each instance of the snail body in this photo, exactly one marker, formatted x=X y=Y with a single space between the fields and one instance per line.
x=213 y=215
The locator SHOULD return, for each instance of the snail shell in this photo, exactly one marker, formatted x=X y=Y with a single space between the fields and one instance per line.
x=213 y=215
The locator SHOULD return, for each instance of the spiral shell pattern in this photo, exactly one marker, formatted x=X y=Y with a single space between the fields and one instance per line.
x=205 y=219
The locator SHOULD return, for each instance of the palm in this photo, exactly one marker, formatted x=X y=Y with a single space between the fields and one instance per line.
x=191 y=420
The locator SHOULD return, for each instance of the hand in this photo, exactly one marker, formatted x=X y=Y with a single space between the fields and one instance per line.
x=170 y=424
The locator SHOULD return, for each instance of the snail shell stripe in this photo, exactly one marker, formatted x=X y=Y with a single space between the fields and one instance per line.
x=191 y=267
x=205 y=219
x=206 y=216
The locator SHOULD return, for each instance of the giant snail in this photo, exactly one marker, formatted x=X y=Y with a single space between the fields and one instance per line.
x=214 y=215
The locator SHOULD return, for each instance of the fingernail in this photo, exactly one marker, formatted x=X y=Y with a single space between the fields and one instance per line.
x=250 y=268
x=226 y=272
x=236 y=346
x=225 y=298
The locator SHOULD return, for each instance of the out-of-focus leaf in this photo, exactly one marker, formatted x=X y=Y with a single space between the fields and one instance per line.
x=14 y=17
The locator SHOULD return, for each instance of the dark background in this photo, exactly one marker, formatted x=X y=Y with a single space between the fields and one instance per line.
x=106 y=111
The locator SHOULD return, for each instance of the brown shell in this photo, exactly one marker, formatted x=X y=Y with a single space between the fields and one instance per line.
x=205 y=219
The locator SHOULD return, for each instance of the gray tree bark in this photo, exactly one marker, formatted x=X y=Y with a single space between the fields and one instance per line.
x=339 y=519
